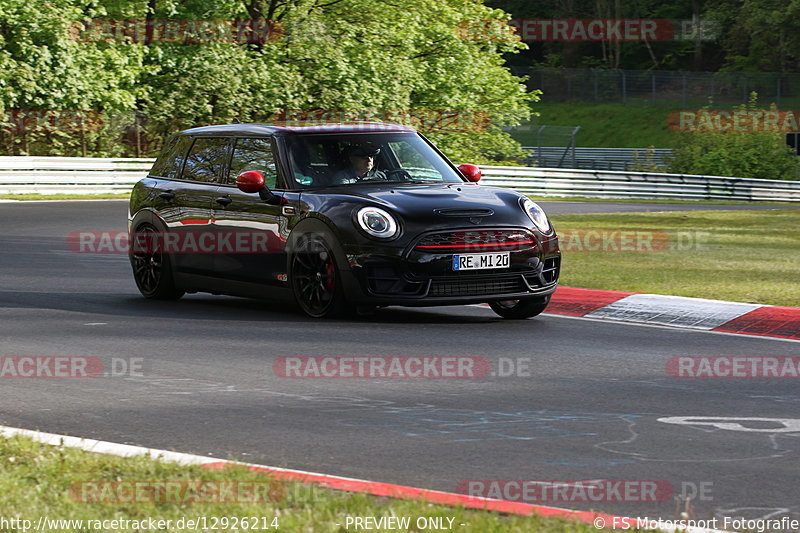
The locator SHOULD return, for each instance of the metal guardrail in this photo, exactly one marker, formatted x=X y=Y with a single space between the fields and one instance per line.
x=612 y=184
x=77 y=175
x=70 y=175
x=595 y=158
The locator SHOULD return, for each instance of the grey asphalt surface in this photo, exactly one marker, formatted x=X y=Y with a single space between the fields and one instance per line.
x=588 y=410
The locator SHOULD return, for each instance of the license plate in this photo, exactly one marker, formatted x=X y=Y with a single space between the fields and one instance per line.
x=481 y=261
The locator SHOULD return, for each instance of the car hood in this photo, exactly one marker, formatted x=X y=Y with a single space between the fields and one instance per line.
x=447 y=199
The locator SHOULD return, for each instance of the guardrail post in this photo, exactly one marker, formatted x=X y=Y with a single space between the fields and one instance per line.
x=624 y=88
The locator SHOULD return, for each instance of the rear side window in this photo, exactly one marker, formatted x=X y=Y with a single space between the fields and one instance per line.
x=254 y=154
x=168 y=165
x=206 y=159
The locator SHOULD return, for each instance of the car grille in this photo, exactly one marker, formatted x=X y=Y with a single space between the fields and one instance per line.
x=476 y=287
x=477 y=241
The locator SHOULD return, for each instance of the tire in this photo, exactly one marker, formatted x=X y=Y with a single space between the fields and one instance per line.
x=519 y=309
x=152 y=269
x=315 y=278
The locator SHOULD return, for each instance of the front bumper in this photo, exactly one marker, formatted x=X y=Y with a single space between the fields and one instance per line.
x=421 y=277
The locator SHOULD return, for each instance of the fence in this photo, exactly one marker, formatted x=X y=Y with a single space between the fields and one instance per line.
x=611 y=184
x=661 y=87
x=76 y=175
x=597 y=158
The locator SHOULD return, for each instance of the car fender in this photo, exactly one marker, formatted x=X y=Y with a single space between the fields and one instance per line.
x=314 y=224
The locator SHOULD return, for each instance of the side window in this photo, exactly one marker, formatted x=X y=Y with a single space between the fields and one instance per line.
x=168 y=165
x=254 y=154
x=206 y=159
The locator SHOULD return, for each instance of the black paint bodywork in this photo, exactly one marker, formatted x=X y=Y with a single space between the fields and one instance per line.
x=373 y=272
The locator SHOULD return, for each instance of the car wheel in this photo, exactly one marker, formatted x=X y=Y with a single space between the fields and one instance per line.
x=152 y=269
x=518 y=309
x=315 y=279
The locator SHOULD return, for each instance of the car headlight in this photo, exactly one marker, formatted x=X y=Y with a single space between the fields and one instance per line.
x=536 y=214
x=377 y=222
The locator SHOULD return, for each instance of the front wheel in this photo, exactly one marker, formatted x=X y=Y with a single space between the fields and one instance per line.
x=315 y=279
x=519 y=309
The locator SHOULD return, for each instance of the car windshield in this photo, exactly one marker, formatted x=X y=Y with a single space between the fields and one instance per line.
x=324 y=160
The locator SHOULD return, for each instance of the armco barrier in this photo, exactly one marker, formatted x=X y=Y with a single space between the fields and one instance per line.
x=596 y=158
x=613 y=184
x=78 y=175
x=70 y=175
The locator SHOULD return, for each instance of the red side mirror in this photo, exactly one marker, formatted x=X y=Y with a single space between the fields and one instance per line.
x=250 y=181
x=471 y=172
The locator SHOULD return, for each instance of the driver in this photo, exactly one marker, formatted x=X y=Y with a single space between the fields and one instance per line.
x=360 y=164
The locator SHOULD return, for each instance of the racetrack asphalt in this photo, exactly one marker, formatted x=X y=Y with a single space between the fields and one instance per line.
x=587 y=407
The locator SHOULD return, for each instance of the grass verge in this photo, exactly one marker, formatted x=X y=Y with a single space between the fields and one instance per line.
x=603 y=125
x=38 y=480
x=742 y=256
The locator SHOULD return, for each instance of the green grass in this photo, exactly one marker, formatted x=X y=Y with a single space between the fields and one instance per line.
x=743 y=256
x=603 y=125
x=118 y=196
x=36 y=480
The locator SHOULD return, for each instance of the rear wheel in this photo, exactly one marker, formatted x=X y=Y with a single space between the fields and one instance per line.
x=518 y=309
x=152 y=269
x=315 y=279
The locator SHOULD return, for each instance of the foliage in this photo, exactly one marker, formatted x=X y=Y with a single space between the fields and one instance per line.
x=757 y=154
x=344 y=55
x=646 y=162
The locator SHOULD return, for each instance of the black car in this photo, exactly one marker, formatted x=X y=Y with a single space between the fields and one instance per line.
x=337 y=218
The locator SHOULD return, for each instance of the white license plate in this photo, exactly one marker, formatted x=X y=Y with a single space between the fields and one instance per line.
x=481 y=261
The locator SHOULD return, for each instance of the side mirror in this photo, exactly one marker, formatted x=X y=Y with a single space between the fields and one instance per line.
x=250 y=181
x=471 y=172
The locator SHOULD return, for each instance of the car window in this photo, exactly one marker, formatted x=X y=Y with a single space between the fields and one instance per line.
x=168 y=165
x=318 y=160
x=254 y=154
x=413 y=161
x=206 y=159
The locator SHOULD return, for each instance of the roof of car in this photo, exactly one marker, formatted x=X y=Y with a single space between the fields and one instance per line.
x=297 y=127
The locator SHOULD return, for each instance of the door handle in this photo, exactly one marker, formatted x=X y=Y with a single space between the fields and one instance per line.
x=224 y=201
x=167 y=195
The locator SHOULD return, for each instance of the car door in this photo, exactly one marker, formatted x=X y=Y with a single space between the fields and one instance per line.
x=195 y=193
x=255 y=224
x=166 y=173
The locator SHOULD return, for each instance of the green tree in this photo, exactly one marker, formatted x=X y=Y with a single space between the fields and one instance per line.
x=349 y=55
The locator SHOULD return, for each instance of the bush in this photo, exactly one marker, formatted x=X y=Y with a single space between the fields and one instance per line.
x=760 y=154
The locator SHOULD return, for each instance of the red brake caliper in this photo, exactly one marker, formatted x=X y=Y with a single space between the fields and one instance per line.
x=329 y=283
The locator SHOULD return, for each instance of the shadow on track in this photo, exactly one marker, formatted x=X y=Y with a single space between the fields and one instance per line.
x=223 y=308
